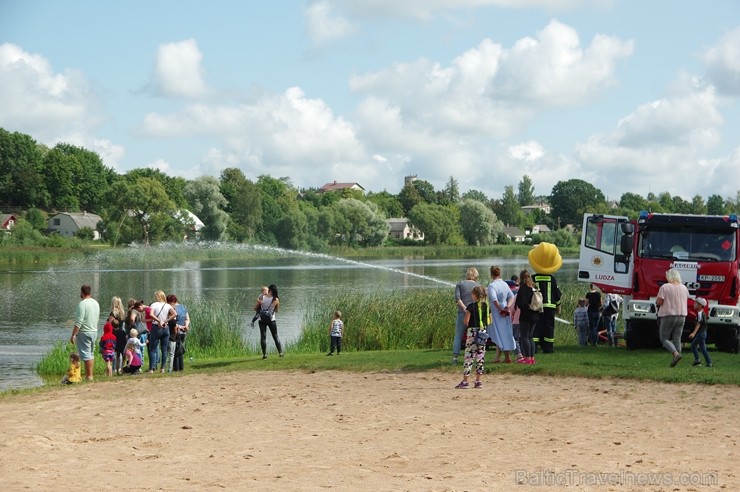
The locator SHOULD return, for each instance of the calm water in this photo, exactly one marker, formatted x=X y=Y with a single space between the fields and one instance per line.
x=38 y=305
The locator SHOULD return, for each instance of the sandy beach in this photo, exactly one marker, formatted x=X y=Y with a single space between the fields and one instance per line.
x=370 y=431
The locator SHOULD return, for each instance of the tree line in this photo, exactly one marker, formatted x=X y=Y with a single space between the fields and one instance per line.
x=147 y=206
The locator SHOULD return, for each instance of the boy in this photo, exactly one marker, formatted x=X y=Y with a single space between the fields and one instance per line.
x=580 y=321
x=336 y=330
x=698 y=337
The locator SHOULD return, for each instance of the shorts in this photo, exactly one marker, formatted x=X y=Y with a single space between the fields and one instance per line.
x=86 y=345
x=108 y=356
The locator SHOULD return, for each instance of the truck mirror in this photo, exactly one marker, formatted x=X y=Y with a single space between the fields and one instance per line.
x=627 y=227
x=625 y=245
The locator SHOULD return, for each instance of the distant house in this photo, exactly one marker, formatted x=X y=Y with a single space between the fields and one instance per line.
x=334 y=186
x=192 y=221
x=7 y=221
x=528 y=209
x=515 y=234
x=540 y=229
x=401 y=228
x=67 y=224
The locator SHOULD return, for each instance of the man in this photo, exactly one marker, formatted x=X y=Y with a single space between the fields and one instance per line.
x=85 y=331
x=593 y=303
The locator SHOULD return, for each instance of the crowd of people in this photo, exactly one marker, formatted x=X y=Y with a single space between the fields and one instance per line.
x=131 y=336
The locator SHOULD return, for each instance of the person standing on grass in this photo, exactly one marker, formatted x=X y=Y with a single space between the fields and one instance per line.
x=593 y=304
x=85 y=331
x=476 y=320
x=463 y=297
x=673 y=297
x=699 y=335
x=336 y=330
x=108 y=344
x=501 y=300
x=161 y=314
x=527 y=317
x=580 y=321
x=269 y=306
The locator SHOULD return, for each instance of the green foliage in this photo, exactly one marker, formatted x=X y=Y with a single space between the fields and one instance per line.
x=204 y=196
x=358 y=223
x=475 y=195
x=381 y=321
x=526 y=191
x=478 y=223
x=389 y=204
x=36 y=218
x=85 y=234
x=21 y=178
x=439 y=224
x=510 y=212
x=570 y=199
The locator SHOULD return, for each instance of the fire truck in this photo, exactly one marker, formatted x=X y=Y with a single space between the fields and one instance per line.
x=631 y=258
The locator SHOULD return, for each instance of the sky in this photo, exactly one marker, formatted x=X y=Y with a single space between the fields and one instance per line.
x=630 y=96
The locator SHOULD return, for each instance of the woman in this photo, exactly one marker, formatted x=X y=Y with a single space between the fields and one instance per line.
x=672 y=301
x=175 y=361
x=463 y=297
x=160 y=314
x=527 y=317
x=501 y=300
x=269 y=305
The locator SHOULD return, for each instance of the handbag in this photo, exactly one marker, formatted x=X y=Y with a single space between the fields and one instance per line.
x=481 y=337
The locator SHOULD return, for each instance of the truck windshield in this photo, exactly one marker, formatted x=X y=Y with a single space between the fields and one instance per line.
x=687 y=244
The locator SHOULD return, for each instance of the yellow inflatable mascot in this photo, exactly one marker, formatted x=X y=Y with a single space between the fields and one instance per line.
x=545 y=260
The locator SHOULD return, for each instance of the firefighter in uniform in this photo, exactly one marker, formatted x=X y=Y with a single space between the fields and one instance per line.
x=545 y=260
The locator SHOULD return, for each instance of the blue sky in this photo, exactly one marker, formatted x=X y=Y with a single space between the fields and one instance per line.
x=627 y=95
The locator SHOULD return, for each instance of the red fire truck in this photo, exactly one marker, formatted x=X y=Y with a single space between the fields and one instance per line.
x=631 y=257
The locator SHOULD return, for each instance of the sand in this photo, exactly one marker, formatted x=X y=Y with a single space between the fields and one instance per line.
x=377 y=431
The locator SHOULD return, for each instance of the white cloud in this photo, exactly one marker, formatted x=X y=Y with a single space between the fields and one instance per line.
x=178 y=71
x=527 y=151
x=656 y=143
x=51 y=107
x=324 y=24
x=723 y=63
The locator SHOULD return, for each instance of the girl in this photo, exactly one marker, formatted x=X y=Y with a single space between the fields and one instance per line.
x=476 y=319
x=527 y=317
x=74 y=373
x=336 y=329
x=133 y=359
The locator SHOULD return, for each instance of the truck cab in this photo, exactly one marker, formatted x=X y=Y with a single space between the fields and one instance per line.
x=631 y=257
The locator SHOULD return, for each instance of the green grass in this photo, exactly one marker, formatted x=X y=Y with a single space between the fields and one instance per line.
x=411 y=331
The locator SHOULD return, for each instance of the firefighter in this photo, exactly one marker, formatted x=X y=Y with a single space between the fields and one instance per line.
x=545 y=260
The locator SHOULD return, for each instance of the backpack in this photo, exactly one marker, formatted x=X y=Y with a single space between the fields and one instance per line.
x=536 y=303
x=265 y=316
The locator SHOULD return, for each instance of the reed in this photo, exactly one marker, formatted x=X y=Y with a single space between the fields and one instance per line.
x=216 y=330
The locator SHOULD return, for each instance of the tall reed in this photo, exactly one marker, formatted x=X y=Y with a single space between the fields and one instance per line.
x=216 y=330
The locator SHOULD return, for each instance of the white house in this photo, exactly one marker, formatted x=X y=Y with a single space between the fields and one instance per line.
x=401 y=228
x=515 y=234
x=7 y=221
x=528 y=209
x=67 y=224
x=341 y=186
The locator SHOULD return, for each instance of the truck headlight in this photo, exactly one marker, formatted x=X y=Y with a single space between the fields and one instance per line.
x=642 y=307
x=723 y=312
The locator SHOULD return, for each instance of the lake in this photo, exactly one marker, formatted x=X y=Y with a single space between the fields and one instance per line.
x=38 y=304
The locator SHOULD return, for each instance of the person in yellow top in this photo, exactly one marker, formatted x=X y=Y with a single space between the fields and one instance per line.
x=74 y=373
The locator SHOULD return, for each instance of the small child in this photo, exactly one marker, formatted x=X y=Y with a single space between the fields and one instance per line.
x=698 y=337
x=476 y=319
x=108 y=344
x=121 y=338
x=133 y=359
x=258 y=305
x=74 y=373
x=135 y=341
x=336 y=330
x=580 y=321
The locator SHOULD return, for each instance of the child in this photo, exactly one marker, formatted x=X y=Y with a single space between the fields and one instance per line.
x=133 y=359
x=108 y=344
x=135 y=341
x=121 y=337
x=476 y=319
x=580 y=321
x=257 y=310
x=74 y=373
x=698 y=337
x=336 y=330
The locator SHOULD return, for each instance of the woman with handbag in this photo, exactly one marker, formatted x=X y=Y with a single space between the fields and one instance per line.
x=476 y=319
x=527 y=318
x=267 y=307
x=160 y=313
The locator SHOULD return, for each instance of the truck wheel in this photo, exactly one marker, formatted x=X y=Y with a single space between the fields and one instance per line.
x=728 y=342
x=632 y=336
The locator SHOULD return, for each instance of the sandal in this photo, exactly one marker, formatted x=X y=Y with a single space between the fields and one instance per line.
x=462 y=385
